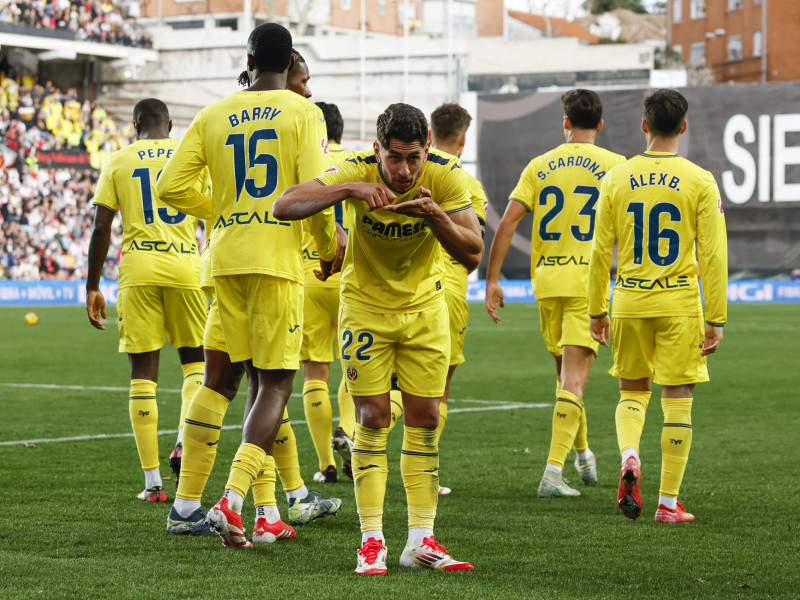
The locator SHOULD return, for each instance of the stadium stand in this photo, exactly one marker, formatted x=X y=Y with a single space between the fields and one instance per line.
x=45 y=214
x=72 y=20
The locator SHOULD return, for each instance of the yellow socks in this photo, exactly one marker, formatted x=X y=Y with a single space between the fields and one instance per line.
x=676 y=441
x=200 y=437
x=284 y=450
x=419 y=466
x=370 y=471
x=396 y=404
x=192 y=380
x=629 y=417
x=581 y=443
x=566 y=421
x=347 y=411
x=245 y=467
x=264 y=484
x=319 y=416
x=143 y=410
x=442 y=421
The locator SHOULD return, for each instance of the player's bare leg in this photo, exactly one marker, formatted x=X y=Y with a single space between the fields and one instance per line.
x=573 y=368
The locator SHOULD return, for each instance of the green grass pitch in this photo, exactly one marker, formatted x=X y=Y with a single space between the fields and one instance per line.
x=72 y=527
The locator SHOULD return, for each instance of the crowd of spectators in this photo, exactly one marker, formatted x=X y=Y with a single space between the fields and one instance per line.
x=89 y=20
x=45 y=211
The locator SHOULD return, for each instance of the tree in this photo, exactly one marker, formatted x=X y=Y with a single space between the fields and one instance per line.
x=597 y=7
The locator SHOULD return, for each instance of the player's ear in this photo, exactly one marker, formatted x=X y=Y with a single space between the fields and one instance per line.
x=462 y=141
x=169 y=126
x=644 y=126
x=600 y=126
x=251 y=63
x=428 y=143
x=377 y=149
x=685 y=125
x=567 y=123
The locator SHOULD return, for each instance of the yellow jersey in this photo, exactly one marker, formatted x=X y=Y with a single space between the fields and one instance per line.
x=393 y=263
x=561 y=187
x=159 y=244
x=310 y=254
x=456 y=274
x=255 y=144
x=656 y=205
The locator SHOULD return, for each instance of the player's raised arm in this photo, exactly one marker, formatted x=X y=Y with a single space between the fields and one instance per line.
x=306 y=199
x=515 y=212
x=176 y=186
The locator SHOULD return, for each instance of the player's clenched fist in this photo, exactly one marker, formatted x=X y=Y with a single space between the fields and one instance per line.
x=376 y=195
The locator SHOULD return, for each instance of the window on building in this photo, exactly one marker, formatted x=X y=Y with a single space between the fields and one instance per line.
x=697 y=9
x=734 y=47
x=186 y=24
x=232 y=23
x=382 y=8
x=697 y=55
x=678 y=49
x=757 y=43
x=735 y=4
x=677 y=11
x=345 y=4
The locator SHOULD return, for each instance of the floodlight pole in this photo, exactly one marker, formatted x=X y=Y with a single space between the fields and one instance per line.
x=363 y=74
x=405 y=52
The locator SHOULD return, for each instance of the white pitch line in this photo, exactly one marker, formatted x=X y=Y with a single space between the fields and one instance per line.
x=96 y=388
x=104 y=436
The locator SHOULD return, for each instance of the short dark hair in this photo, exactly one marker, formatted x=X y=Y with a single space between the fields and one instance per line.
x=244 y=78
x=270 y=45
x=449 y=122
x=298 y=58
x=333 y=120
x=583 y=108
x=402 y=122
x=665 y=111
x=151 y=112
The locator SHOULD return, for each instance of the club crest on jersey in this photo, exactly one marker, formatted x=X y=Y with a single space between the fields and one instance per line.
x=719 y=206
x=352 y=373
x=333 y=169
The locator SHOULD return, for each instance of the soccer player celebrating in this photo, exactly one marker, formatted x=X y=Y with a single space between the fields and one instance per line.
x=255 y=143
x=656 y=206
x=449 y=124
x=159 y=286
x=561 y=187
x=403 y=198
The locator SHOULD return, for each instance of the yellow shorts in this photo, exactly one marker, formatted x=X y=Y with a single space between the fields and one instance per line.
x=213 y=338
x=147 y=312
x=458 y=311
x=416 y=346
x=664 y=348
x=320 y=314
x=565 y=322
x=262 y=319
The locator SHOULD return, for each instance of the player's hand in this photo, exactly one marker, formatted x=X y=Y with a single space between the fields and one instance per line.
x=421 y=206
x=494 y=298
x=329 y=268
x=713 y=339
x=600 y=328
x=95 y=304
x=376 y=195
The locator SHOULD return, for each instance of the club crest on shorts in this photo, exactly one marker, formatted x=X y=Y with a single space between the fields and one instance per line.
x=352 y=373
